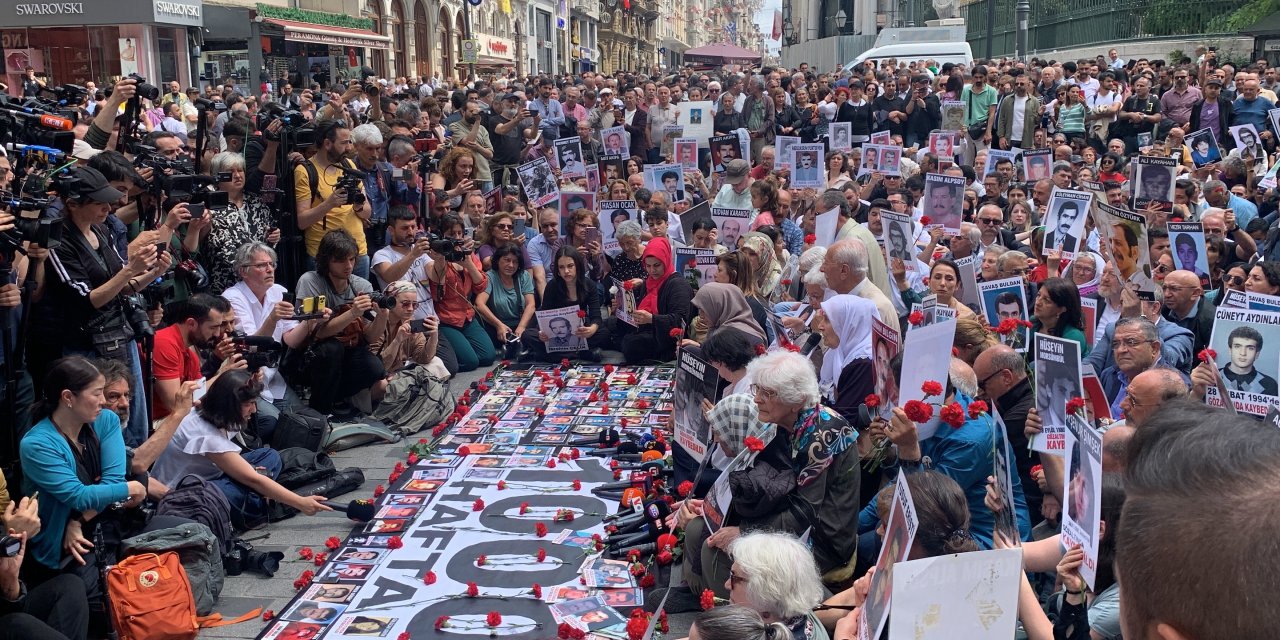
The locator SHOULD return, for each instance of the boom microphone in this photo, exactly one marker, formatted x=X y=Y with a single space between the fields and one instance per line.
x=811 y=343
x=356 y=510
x=624 y=448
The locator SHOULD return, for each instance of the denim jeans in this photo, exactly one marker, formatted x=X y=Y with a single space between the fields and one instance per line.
x=246 y=505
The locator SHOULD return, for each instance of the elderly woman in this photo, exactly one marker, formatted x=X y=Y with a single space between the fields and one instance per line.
x=774 y=575
x=663 y=305
x=727 y=118
x=456 y=178
x=735 y=622
x=246 y=219
x=1086 y=272
x=760 y=482
x=760 y=253
x=845 y=323
x=823 y=456
x=629 y=263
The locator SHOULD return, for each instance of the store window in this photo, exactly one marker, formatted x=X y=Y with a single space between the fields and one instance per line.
x=398 y=38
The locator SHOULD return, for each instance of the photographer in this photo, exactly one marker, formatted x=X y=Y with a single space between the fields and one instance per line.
x=406 y=340
x=246 y=219
x=456 y=280
x=323 y=201
x=469 y=133
x=456 y=178
x=195 y=323
x=83 y=307
x=406 y=259
x=203 y=447
x=260 y=310
x=103 y=127
x=384 y=184
x=260 y=152
x=341 y=364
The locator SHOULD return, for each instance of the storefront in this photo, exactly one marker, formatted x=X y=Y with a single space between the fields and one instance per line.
x=312 y=47
x=98 y=40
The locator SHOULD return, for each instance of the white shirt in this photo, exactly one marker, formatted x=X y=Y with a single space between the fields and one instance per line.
x=1019 y=115
x=1099 y=100
x=1089 y=87
x=416 y=273
x=250 y=316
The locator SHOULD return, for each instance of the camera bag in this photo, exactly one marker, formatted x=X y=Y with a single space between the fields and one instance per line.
x=302 y=427
x=299 y=466
x=199 y=552
x=194 y=499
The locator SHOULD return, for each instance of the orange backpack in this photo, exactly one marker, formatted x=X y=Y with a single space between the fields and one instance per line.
x=151 y=598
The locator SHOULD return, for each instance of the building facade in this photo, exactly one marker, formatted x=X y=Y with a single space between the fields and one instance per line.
x=627 y=35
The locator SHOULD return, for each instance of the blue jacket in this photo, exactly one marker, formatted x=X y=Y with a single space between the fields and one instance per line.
x=50 y=468
x=1176 y=347
x=965 y=455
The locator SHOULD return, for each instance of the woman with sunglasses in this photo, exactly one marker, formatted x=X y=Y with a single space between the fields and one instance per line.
x=1111 y=168
x=1070 y=114
x=498 y=230
x=403 y=341
x=1233 y=279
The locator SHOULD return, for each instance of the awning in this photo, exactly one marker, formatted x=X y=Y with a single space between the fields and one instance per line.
x=323 y=34
x=489 y=62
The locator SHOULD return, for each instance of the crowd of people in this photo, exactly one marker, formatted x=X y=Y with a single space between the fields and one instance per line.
x=435 y=260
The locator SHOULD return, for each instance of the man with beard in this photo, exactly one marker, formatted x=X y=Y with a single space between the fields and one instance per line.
x=193 y=324
x=506 y=138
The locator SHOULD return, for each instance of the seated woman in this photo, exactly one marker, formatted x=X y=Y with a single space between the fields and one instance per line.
x=944 y=282
x=824 y=459
x=760 y=253
x=456 y=178
x=571 y=289
x=341 y=342
x=846 y=379
x=943 y=529
x=629 y=263
x=760 y=481
x=722 y=305
x=507 y=302
x=774 y=575
x=498 y=230
x=704 y=236
x=202 y=446
x=734 y=622
x=1057 y=313
x=453 y=286
x=592 y=252
x=730 y=351
x=733 y=268
x=663 y=304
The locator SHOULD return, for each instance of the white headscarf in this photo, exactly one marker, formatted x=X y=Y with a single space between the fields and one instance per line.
x=851 y=317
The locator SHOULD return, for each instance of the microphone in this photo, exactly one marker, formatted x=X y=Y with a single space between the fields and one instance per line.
x=629 y=541
x=607 y=438
x=622 y=552
x=636 y=480
x=625 y=448
x=653 y=467
x=356 y=510
x=811 y=343
x=47 y=120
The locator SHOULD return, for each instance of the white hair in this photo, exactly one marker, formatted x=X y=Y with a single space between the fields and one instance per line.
x=811 y=258
x=226 y=161
x=972 y=233
x=815 y=277
x=782 y=579
x=850 y=252
x=788 y=375
x=366 y=134
x=629 y=229
x=963 y=378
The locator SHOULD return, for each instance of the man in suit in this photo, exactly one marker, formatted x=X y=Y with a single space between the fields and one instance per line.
x=636 y=122
x=1060 y=237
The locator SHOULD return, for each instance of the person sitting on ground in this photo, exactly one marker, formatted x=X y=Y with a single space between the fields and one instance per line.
x=571 y=288
x=722 y=305
x=454 y=285
x=663 y=304
x=507 y=303
x=115 y=398
x=774 y=575
x=203 y=447
x=734 y=622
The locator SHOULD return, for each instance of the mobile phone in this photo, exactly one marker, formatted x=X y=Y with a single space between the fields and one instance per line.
x=400 y=174
x=269 y=183
x=592 y=235
x=419 y=325
x=197 y=211
x=425 y=145
x=519 y=228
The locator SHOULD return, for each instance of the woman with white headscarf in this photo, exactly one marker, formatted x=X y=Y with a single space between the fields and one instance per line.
x=846 y=376
x=1086 y=272
x=760 y=478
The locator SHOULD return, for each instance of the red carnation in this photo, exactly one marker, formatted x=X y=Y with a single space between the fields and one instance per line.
x=472 y=590
x=562 y=631
x=676 y=333
x=493 y=619
x=684 y=488
x=662 y=622
x=792 y=347
x=811 y=238
x=707 y=600
x=542 y=554
x=634 y=556
x=395 y=542
x=977 y=408
x=438 y=430
x=624 y=422
x=1207 y=355
x=931 y=388
x=574 y=453
x=647 y=581
x=581 y=313
x=502 y=484
x=926 y=220
x=430 y=578
x=753 y=443
x=1007 y=326
x=636 y=628
x=478 y=505
x=1075 y=404
x=391 y=479
x=577 y=484
x=564 y=362
x=379 y=490
x=404 y=635
x=1037 y=469
x=629 y=285
x=918 y=411
x=955 y=352
x=536 y=590
x=617 y=474
x=551 y=463
x=915 y=318
x=520 y=390
x=306 y=553
x=872 y=401
x=540 y=529
x=303 y=580
x=760 y=349
x=320 y=559
x=667 y=542
x=333 y=543
x=631 y=378
x=665 y=558
x=413 y=458
x=953 y=414
x=481 y=560
x=524 y=508
x=786 y=282
x=442 y=622
x=464 y=450
x=268 y=615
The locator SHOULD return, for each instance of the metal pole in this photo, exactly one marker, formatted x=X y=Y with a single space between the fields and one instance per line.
x=468 y=35
x=1024 y=20
x=991 y=28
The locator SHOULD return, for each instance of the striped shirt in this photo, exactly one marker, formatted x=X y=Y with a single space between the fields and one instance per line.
x=1071 y=118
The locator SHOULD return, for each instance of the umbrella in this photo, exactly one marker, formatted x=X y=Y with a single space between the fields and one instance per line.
x=722 y=54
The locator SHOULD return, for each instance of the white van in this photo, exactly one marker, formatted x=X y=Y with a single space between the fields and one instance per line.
x=940 y=52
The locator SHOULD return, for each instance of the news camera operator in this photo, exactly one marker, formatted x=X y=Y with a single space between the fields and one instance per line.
x=84 y=306
x=384 y=184
x=261 y=151
x=329 y=196
x=338 y=363
x=456 y=279
x=246 y=219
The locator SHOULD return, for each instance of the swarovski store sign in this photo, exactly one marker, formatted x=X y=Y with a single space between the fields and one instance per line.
x=30 y=13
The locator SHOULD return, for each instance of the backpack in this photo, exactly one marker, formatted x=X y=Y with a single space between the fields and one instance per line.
x=414 y=400
x=199 y=552
x=194 y=499
x=151 y=598
x=303 y=427
x=299 y=466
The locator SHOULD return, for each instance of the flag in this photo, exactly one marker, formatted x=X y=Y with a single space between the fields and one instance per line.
x=777 y=24
x=505 y=6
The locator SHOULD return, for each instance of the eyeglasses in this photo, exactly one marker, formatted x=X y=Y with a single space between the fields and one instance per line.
x=1132 y=399
x=736 y=579
x=757 y=390
x=1131 y=343
x=982 y=384
x=504 y=226
x=991 y=221
x=410 y=304
x=1235 y=280
x=261 y=265
x=1161 y=268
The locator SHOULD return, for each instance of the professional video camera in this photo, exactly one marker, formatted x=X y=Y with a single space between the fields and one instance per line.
x=33 y=123
x=145 y=89
x=69 y=95
x=272 y=111
x=29 y=224
x=197 y=189
x=148 y=156
x=258 y=351
x=205 y=104
x=450 y=248
x=350 y=180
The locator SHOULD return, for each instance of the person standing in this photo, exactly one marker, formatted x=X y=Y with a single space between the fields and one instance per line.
x=660 y=115
x=979 y=114
x=1018 y=115
x=321 y=204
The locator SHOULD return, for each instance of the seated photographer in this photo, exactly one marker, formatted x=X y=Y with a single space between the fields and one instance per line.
x=83 y=308
x=406 y=340
x=245 y=219
x=259 y=308
x=203 y=447
x=338 y=364
x=56 y=609
x=571 y=288
x=116 y=398
x=507 y=303
x=406 y=259
x=195 y=323
x=456 y=178
x=456 y=280
x=328 y=197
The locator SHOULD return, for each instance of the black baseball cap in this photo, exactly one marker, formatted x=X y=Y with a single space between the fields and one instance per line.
x=94 y=186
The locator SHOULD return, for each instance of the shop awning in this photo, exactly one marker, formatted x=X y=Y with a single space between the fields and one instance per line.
x=490 y=62
x=336 y=36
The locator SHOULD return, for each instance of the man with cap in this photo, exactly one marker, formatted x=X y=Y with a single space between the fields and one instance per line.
x=1214 y=112
x=601 y=115
x=507 y=139
x=736 y=191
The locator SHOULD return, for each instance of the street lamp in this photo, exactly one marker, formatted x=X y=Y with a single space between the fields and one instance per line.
x=841 y=18
x=1023 y=12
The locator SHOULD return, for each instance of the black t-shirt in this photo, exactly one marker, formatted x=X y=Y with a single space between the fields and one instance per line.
x=1147 y=106
x=506 y=148
x=881 y=107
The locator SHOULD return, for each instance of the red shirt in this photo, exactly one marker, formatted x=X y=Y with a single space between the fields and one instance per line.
x=171 y=360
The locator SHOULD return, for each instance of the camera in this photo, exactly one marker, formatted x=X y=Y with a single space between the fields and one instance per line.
x=70 y=95
x=272 y=111
x=258 y=351
x=350 y=181
x=370 y=89
x=194 y=189
x=243 y=557
x=382 y=300
x=145 y=89
x=450 y=248
x=205 y=104
x=29 y=223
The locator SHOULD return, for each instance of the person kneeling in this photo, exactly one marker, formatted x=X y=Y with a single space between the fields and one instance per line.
x=570 y=288
x=203 y=447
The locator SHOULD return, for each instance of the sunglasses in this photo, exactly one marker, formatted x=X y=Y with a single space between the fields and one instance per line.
x=1235 y=280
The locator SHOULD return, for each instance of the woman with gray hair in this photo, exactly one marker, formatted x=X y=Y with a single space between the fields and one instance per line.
x=823 y=458
x=774 y=575
x=629 y=264
x=245 y=219
x=736 y=623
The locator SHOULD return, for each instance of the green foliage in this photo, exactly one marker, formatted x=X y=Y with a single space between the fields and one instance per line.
x=1244 y=16
x=1175 y=55
x=314 y=17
